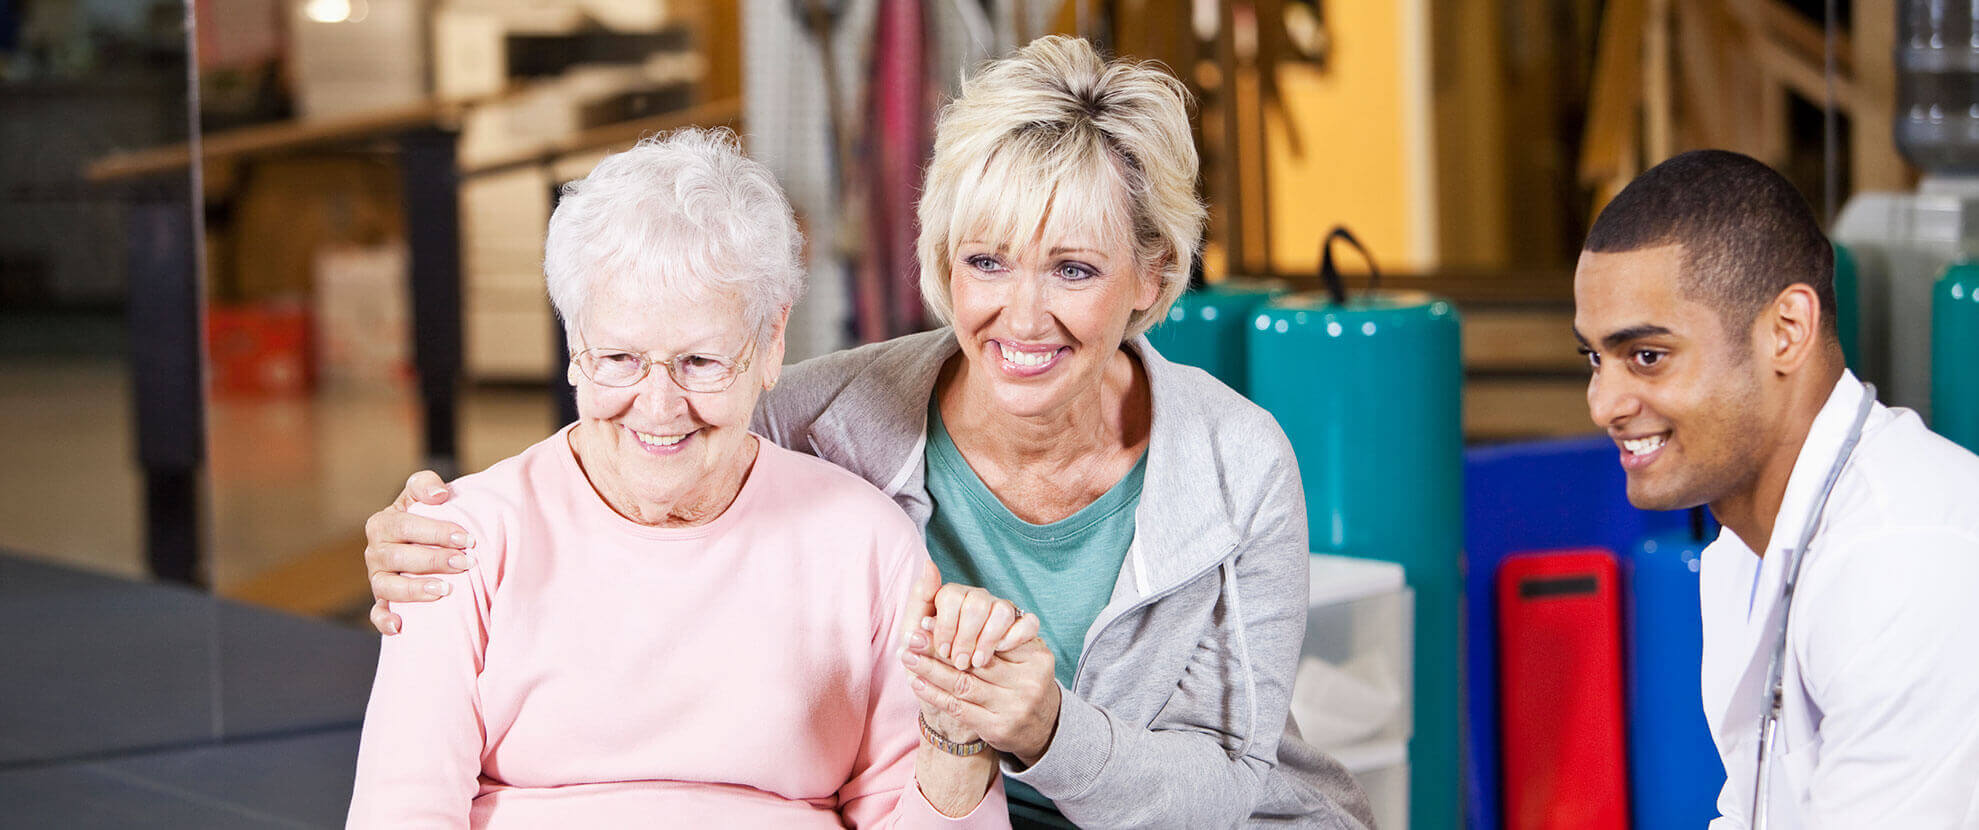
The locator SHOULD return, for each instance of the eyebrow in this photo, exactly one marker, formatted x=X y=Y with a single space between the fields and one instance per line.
x=1626 y=335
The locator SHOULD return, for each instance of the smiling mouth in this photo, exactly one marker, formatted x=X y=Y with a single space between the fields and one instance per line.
x=1028 y=360
x=660 y=442
x=1640 y=447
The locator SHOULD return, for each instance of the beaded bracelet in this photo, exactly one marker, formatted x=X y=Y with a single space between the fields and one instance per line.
x=948 y=746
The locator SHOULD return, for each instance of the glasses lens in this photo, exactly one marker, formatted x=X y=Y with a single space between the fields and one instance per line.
x=613 y=368
x=701 y=372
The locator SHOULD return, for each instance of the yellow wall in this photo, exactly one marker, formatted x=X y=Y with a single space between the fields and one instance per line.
x=1364 y=134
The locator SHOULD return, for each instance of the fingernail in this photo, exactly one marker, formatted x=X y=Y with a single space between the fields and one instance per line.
x=920 y=685
x=438 y=589
x=460 y=540
x=942 y=651
x=436 y=492
x=391 y=626
x=982 y=659
x=910 y=658
x=917 y=641
x=460 y=561
x=927 y=623
x=962 y=660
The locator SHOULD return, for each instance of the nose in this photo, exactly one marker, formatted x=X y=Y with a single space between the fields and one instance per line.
x=1611 y=399
x=657 y=396
x=1026 y=307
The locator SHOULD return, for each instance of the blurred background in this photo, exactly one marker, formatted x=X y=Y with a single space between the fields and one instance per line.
x=261 y=259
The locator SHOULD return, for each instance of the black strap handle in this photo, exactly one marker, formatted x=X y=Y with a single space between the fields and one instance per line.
x=1336 y=285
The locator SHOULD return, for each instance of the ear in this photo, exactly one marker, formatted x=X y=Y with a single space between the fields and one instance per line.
x=771 y=353
x=1791 y=328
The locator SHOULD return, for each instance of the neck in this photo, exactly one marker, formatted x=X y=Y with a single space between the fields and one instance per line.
x=1751 y=510
x=1109 y=417
x=705 y=503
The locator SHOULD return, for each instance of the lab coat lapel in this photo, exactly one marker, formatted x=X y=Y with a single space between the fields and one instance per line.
x=1739 y=644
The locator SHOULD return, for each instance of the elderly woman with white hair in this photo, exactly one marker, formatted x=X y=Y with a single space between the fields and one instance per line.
x=1150 y=518
x=672 y=620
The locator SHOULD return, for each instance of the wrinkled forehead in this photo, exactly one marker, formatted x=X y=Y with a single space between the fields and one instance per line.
x=1023 y=196
x=647 y=314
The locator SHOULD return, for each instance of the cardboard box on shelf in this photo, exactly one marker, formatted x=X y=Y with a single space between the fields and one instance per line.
x=470 y=54
x=290 y=208
x=358 y=56
x=361 y=313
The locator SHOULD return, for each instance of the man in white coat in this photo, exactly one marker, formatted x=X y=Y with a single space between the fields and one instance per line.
x=1704 y=300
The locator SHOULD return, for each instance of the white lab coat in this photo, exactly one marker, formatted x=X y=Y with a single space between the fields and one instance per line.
x=1880 y=725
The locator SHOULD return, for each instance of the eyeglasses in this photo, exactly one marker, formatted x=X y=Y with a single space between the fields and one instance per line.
x=692 y=372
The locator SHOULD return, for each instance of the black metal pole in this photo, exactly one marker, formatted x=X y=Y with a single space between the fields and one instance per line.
x=167 y=388
x=432 y=217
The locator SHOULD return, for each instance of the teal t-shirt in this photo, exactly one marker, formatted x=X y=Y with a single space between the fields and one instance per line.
x=1063 y=571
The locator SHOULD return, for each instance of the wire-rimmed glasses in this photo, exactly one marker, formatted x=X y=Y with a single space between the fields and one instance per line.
x=693 y=371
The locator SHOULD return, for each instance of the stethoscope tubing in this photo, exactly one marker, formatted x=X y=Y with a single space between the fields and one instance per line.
x=1776 y=670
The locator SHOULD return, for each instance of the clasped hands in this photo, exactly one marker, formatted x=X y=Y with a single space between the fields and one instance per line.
x=979 y=669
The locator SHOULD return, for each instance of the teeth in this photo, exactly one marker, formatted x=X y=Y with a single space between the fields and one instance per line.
x=1023 y=358
x=1644 y=446
x=659 y=440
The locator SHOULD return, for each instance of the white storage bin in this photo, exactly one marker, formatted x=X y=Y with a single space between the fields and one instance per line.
x=1355 y=688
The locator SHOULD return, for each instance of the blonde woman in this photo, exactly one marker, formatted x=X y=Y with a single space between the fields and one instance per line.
x=1148 y=519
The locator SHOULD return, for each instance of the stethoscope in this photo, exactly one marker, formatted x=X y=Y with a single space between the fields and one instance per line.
x=1770 y=724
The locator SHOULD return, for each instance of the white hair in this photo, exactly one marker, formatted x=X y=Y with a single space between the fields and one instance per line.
x=685 y=213
x=1055 y=138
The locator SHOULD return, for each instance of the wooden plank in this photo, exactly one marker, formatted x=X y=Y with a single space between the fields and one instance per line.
x=611 y=137
x=1612 y=116
x=1804 y=37
x=1790 y=69
x=280 y=136
x=1875 y=164
x=1505 y=409
x=1520 y=339
x=1702 y=77
x=1658 y=102
x=1468 y=82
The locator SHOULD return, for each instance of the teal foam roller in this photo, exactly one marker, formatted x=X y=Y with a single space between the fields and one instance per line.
x=1955 y=355
x=1848 y=306
x=1205 y=327
x=1370 y=392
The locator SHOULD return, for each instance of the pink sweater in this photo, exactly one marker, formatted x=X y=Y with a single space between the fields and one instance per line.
x=594 y=672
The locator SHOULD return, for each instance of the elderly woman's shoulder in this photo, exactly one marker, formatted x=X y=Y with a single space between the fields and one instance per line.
x=821 y=488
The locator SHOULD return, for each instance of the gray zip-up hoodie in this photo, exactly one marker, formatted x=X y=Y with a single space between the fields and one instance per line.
x=1178 y=715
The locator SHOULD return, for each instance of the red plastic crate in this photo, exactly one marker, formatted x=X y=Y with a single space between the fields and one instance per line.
x=260 y=350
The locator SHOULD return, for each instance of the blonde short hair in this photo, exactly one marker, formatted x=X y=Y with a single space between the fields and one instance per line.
x=1052 y=138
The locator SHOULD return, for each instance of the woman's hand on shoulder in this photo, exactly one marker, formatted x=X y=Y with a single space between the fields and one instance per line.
x=400 y=546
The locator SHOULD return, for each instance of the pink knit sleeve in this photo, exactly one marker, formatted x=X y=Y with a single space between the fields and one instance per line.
x=421 y=754
x=882 y=792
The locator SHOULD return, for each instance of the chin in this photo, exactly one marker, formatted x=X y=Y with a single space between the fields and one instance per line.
x=1644 y=496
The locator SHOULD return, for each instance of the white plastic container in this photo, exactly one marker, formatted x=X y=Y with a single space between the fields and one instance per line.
x=1354 y=690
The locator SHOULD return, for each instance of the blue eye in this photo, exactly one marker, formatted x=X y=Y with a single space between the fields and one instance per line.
x=1075 y=272
x=984 y=263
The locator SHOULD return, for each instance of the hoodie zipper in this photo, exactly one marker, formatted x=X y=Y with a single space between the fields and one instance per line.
x=1079 y=671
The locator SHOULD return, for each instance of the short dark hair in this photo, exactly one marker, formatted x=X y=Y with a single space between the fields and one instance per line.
x=1747 y=234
